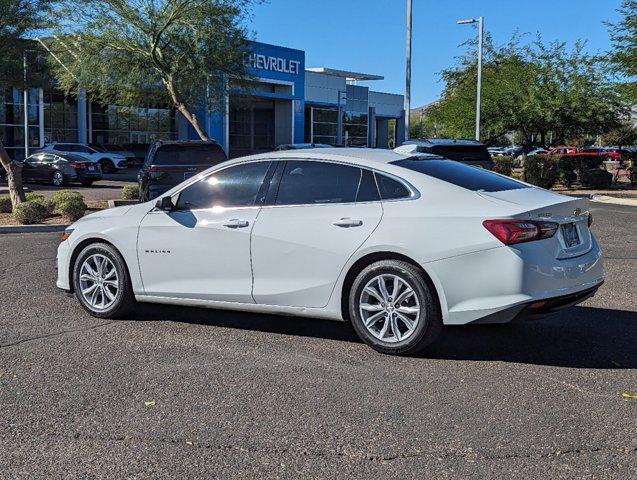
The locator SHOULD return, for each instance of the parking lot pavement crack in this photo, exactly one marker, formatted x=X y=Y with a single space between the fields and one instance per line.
x=350 y=453
x=56 y=334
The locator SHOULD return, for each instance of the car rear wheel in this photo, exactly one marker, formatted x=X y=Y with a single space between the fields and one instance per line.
x=107 y=166
x=393 y=309
x=58 y=179
x=101 y=281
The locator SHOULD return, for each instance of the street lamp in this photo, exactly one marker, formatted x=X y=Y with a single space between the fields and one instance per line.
x=408 y=73
x=480 y=22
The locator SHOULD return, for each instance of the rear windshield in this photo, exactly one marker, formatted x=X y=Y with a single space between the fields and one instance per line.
x=189 y=155
x=462 y=175
x=462 y=153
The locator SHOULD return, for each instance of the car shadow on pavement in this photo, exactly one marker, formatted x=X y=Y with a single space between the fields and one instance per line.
x=580 y=337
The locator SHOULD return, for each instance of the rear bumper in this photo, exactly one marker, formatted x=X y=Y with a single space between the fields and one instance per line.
x=539 y=309
x=494 y=286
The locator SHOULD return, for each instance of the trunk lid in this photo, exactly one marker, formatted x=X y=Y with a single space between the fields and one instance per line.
x=573 y=237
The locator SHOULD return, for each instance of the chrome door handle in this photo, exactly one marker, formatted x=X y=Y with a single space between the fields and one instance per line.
x=348 y=222
x=236 y=223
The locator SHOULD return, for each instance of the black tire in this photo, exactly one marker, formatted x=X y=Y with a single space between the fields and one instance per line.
x=107 y=166
x=429 y=324
x=124 y=298
x=86 y=183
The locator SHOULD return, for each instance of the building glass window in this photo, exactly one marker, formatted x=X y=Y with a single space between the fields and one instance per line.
x=355 y=129
x=321 y=125
x=114 y=124
x=60 y=118
x=12 y=120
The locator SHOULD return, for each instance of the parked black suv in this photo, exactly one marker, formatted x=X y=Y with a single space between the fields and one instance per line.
x=470 y=152
x=168 y=163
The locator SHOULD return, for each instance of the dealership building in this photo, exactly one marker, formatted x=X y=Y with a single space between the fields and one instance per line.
x=286 y=103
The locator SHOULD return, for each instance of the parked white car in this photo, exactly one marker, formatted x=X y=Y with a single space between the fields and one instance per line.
x=399 y=245
x=109 y=162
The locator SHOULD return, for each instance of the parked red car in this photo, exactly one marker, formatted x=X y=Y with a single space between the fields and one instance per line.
x=607 y=153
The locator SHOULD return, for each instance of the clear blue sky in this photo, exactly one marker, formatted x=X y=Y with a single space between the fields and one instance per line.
x=369 y=35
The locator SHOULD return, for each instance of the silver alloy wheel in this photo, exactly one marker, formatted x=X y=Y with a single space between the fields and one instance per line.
x=389 y=308
x=99 y=281
x=58 y=179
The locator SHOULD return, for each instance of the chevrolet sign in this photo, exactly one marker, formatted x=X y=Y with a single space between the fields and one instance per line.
x=273 y=64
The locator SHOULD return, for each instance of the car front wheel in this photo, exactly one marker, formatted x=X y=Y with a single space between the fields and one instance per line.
x=107 y=166
x=393 y=309
x=101 y=281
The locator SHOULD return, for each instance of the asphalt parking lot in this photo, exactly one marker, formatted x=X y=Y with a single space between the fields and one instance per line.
x=175 y=392
x=109 y=188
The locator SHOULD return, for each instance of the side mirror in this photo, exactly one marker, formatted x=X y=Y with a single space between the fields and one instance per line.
x=165 y=204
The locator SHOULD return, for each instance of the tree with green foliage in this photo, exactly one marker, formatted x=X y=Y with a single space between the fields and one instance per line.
x=19 y=20
x=533 y=89
x=132 y=52
x=623 y=54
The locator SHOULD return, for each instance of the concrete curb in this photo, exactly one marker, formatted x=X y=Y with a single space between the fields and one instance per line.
x=39 y=228
x=631 y=202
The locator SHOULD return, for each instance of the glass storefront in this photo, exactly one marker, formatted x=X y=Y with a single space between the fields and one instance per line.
x=117 y=124
x=355 y=129
x=12 y=120
x=321 y=125
x=251 y=127
x=60 y=118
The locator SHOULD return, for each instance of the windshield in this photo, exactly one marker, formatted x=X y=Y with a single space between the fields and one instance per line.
x=189 y=155
x=462 y=175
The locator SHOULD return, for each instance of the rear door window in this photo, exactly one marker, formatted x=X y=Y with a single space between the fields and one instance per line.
x=308 y=182
x=462 y=175
x=391 y=189
x=207 y=155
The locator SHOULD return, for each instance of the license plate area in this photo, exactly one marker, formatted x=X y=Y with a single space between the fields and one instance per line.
x=90 y=169
x=570 y=235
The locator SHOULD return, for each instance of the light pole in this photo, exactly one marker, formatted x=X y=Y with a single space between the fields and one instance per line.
x=408 y=72
x=480 y=22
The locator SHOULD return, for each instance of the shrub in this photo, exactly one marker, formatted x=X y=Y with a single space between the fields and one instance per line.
x=28 y=213
x=48 y=204
x=541 y=171
x=5 y=204
x=566 y=174
x=63 y=195
x=72 y=208
x=503 y=165
x=596 y=178
x=130 y=192
x=34 y=197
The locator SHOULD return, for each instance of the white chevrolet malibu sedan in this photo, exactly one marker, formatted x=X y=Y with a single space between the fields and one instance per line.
x=398 y=245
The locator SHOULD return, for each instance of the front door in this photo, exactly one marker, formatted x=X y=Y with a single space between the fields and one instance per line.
x=322 y=214
x=201 y=249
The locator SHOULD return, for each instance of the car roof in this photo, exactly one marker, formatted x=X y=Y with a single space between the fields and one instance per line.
x=368 y=156
x=441 y=142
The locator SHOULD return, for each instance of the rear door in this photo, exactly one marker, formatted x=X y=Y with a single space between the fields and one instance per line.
x=319 y=215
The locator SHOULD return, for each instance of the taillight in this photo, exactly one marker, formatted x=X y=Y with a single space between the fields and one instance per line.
x=77 y=166
x=511 y=232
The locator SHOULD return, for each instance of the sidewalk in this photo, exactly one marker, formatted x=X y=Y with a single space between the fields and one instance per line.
x=624 y=196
